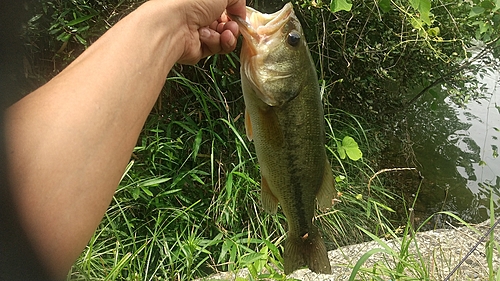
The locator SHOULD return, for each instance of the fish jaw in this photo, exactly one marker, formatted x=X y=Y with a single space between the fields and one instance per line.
x=264 y=36
x=258 y=27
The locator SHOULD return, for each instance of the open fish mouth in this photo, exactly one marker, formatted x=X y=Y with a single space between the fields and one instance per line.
x=258 y=27
x=263 y=35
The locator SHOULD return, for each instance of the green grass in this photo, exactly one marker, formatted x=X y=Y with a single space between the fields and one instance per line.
x=403 y=258
x=188 y=204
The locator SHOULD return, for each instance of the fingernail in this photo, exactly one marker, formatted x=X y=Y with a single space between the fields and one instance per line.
x=204 y=32
x=231 y=41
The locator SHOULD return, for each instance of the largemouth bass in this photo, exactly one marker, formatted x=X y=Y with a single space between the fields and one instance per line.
x=284 y=118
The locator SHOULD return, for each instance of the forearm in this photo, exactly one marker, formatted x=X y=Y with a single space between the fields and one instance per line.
x=87 y=119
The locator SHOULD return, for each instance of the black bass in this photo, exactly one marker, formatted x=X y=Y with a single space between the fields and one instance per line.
x=284 y=118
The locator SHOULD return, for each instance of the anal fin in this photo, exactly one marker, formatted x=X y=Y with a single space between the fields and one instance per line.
x=326 y=192
x=269 y=201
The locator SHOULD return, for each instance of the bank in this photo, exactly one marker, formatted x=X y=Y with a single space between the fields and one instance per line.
x=434 y=253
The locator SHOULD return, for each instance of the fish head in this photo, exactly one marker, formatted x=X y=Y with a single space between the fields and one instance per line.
x=274 y=54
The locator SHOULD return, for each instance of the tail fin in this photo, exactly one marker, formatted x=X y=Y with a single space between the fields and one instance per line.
x=308 y=250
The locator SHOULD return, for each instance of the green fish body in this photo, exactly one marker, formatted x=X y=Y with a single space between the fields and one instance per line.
x=284 y=118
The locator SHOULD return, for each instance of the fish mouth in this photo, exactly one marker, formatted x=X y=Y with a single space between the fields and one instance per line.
x=258 y=27
x=262 y=33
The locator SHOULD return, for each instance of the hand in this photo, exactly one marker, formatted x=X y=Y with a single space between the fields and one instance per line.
x=208 y=29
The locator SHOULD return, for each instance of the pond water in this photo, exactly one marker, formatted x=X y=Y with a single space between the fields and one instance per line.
x=456 y=151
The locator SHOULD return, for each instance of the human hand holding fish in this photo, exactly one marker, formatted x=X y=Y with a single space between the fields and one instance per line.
x=203 y=36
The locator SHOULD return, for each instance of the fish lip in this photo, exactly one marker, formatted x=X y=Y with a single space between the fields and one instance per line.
x=258 y=26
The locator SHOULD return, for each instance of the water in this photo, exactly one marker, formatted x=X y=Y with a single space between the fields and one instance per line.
x=456 y=150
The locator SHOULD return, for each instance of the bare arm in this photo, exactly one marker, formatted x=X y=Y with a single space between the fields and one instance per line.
x=69 y=141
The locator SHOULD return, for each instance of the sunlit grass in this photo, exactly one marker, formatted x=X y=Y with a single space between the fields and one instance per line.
x=189 y=202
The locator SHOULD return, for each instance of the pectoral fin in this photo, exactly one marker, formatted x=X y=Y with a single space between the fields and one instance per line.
x=327 y=191
x=248 y=126
x=269 y=201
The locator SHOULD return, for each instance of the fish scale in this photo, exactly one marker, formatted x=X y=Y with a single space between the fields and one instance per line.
x=284 y=118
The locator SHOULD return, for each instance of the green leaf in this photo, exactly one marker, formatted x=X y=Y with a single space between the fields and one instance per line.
x=351 y=148
x=197 y=143
x=197 y=178
x=497 y=6
x=80 y=20
x=135 y=193
x=340 y=5
x=229 y=186
x=361 y=261
x=341 y=150
x=496 y=18
x=339 y=178
x=414 y=4
x=81 y=40
x=425 y=9
x=252 y=257
x=35 y=18
x=433 y=32
x=147 y=191
x=385 y=5
x=64 y=37
x=417 y=23
x=488 y=5
x=477 y=10
x=434 y=93
x=154 y=182
x=484 y=27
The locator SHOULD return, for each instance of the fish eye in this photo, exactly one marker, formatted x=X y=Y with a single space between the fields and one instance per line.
x=293 y=39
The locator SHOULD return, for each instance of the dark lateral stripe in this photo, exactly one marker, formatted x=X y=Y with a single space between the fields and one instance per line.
x=297 y=184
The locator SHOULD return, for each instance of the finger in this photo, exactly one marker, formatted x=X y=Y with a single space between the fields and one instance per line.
x=220 y=27
x=233 y=27
x=210 y=41
x=237 y=8
x=214 y=25
x=227 y=41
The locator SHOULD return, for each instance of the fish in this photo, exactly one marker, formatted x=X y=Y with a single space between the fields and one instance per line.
x=285 y=120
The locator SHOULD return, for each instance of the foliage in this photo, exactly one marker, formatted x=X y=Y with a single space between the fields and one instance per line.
x=349 y=147
x=59 y=30
x=377 y=55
